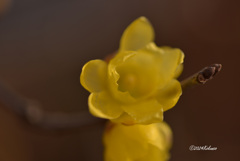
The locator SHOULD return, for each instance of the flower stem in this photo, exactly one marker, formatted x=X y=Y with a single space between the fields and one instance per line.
x=201 y=77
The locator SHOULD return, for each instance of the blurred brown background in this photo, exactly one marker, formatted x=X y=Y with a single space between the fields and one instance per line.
x=45 y=43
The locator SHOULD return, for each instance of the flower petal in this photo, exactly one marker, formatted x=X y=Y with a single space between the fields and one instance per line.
x=172 y=58
x=166 y=133
x=93 y=75
x=125 y=119
x=137 y=35
x=178 y=71
x=125 y=143
x=169 y=95
x=104 y=106
x=155 y=154
x=145 y=112
x=138 y=142
x=139 y=75
x=151 y=133
x=113 y=77
x=168 y=60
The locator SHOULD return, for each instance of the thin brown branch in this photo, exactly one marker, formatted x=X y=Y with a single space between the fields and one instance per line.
x=32 y=112
x=202 y=76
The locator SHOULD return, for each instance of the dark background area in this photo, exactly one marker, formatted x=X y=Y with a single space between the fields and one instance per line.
x=45 y=43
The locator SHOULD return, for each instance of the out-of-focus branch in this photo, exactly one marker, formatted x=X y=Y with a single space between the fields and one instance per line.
x=32 y=112
x=202 y=76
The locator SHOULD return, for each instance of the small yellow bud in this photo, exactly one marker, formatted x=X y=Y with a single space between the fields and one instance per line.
x=137 y=143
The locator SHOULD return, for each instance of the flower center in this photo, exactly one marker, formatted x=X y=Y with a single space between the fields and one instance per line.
x=127 y=82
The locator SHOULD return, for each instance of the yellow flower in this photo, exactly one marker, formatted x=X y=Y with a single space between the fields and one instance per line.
x=137 y=143
x=139 y=83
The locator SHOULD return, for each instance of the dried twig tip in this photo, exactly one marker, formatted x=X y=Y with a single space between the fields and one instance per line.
x=202 y=76
x=207 y=73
